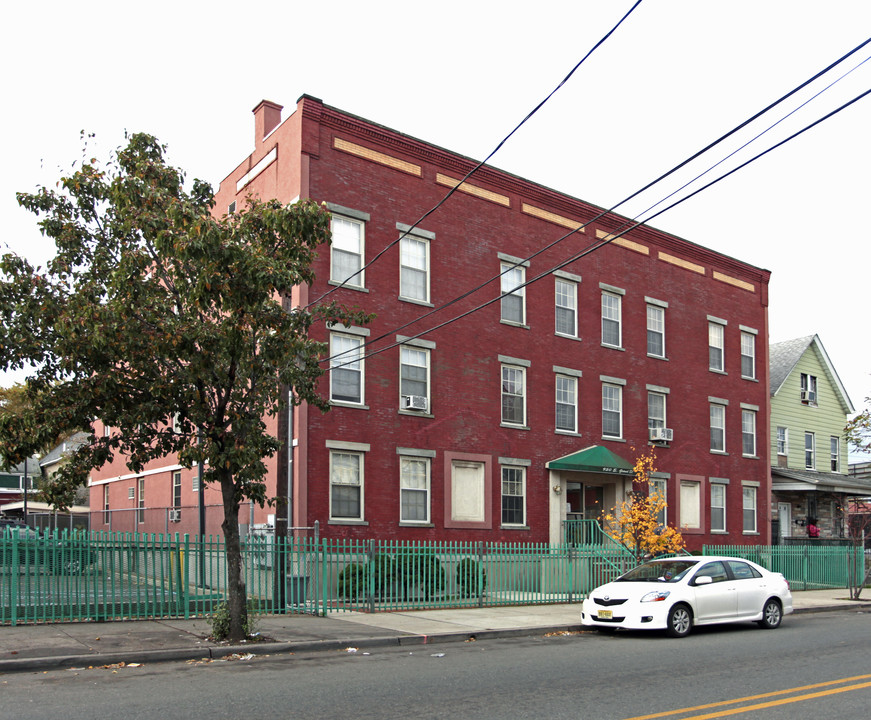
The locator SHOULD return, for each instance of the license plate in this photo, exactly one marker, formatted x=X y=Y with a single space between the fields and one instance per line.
x=605 y=614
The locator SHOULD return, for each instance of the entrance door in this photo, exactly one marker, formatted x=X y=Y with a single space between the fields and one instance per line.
x=784 y=516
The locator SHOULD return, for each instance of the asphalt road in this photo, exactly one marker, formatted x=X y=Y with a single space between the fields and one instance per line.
x=815 y=665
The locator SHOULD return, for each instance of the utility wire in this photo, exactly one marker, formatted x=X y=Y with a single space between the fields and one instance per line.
x=480 y=164
x=646 y=187
x=607 y=240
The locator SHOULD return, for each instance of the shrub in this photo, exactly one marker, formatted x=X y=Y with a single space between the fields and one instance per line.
x=220 y=621
x=353 y=582
x=471 y=578
x=421 y=572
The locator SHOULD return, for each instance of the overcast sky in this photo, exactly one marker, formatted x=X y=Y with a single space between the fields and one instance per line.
x=675 y=76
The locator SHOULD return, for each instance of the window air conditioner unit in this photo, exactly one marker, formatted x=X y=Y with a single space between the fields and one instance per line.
x=808 y=396
x=175 y=515
x=661 y=434
x=413 y=402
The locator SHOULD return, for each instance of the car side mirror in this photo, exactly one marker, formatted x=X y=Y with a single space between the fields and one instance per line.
x=704 y=580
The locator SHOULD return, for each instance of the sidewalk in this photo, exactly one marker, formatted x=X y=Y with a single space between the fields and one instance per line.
x=44 y=647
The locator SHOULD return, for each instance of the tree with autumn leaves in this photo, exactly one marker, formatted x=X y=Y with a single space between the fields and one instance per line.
x=634 y=522
x=169 y=324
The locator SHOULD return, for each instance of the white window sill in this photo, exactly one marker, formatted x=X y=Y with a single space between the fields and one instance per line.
x=514 y=324
x=719 y=452
x=410 y=523
x=341 y=403
x=415 y=413
x=750 y=457
x=717 y=372
x=415 y=301
x=751 y=379
x=569 y=433
x=347 y=521
x=514 y=527
x=614 y=347
x=613 y=439
x=657 y=357
x=338 y=283
x=567 y=337
x=514 y=427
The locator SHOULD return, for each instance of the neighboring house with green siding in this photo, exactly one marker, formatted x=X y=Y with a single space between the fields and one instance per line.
x=809 y=471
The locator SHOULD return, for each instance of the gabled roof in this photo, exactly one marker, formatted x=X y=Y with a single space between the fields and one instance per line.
x=784 y=356
x=71 y=444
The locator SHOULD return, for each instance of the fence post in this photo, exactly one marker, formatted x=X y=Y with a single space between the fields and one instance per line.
x=185 y=588
x=480 y=574
x=370 y=585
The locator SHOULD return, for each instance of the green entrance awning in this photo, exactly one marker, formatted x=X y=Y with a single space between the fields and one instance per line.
x=595 y=459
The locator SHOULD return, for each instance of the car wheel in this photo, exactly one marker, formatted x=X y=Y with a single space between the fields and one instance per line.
x=679 y=622
x=772 y=614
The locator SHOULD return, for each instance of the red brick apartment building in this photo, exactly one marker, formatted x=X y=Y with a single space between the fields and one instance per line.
x=527 y=412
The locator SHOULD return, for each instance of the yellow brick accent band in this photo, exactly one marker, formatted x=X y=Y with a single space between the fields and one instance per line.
x=552 y=217
x=734 y=281
x=473 y=190
x=623 y=242
x=686 y=264
x=375 y=156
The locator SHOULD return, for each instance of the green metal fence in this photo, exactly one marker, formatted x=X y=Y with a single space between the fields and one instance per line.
x=79 y=576
x=805 y=567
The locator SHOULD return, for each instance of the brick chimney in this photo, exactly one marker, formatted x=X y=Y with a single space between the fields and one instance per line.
x=267 y=116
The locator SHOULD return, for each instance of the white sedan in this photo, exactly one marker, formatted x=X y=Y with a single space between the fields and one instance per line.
x=675 y=594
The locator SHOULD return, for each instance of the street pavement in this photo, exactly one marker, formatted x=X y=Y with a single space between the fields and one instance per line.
x=92 y=644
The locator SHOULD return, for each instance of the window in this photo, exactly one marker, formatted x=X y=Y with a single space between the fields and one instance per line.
x=655 y=410
x=718 y=508
x=513 y=395
x=566 y=307
x=195 y=483
x=810 y=451
x=513 y=496
x=659 y=487
x=808 y=389
x=611 y=319
x=106 y=514
x=414 y=489
x=714 y=570
x=414 y=377
x=655 y=331
x=566 y=403
x=835 y=451
x=782 y=441
x=513 y=295
x=749 y=509
x=346 y=251
x=346 y=485
x=414 y=268
x=716 y=333
x=176 y=490
x=140 y=502
x=612 y=410
x=748 y=432
x=690 y=507
x=718 y=428
x=346 y=363
x=748 y=355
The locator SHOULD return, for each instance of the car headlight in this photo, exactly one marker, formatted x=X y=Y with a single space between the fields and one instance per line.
x=656 y=596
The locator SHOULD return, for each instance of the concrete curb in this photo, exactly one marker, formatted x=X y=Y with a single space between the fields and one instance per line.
x=219 y=652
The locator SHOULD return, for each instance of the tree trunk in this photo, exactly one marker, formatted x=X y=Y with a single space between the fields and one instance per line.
x=237 y=596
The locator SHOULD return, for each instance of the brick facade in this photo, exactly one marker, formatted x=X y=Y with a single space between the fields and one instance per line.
x=468 y=445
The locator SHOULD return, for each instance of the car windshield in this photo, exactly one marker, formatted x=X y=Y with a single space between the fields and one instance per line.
x=662 y=571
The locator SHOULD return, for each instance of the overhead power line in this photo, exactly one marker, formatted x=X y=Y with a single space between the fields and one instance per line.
x=481 y=163
x=665 y=175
